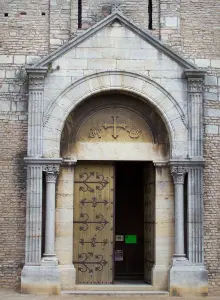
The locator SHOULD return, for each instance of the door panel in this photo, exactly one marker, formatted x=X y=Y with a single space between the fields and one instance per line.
x=93 y=223
x=149 y=221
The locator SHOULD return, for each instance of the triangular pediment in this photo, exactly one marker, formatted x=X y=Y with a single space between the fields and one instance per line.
x=121 y=20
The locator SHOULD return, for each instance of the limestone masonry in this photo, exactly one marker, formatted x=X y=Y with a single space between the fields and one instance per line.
x=118 y=48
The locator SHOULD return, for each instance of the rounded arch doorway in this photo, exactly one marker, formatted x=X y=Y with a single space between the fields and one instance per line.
x=120 y=192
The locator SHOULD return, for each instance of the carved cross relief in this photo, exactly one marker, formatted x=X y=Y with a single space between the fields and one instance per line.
x=115 y=126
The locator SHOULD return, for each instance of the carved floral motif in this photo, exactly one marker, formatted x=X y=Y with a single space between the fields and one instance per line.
x=51 y=172
x=178 y=173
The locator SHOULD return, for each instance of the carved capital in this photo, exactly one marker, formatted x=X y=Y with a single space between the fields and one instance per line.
x=51 y=172
x=178 y=173
x=36 y=77
x=36 y=81
x=195 y=85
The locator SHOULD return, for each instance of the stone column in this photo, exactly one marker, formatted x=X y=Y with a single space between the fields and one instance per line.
x=178 y=174
x=51 y=177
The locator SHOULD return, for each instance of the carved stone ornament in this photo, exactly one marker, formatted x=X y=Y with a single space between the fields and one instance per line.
x=178 y=173
x=117 y=8
x=51 y=172
x=195 y=85
x=36 y=81
x=115 y=125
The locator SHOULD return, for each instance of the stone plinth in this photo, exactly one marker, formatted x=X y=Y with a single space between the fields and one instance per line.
x=41 y=280
x=188 y=280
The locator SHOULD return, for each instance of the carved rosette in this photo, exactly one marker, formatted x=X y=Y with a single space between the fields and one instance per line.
x=117 y=8
x=178 y=173
x=52 y=172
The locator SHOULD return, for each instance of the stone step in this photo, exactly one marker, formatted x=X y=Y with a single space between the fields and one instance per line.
x=115 y=292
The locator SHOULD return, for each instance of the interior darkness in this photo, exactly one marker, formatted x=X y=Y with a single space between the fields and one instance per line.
x=129 y=220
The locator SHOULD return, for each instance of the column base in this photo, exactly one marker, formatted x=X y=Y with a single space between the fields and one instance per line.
x=186 y=279
x=41 y=280
x=68 y=277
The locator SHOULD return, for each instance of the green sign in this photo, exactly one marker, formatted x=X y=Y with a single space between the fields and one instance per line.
x=130 y=239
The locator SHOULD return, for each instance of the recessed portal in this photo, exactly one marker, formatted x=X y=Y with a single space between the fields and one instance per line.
x=129 y=221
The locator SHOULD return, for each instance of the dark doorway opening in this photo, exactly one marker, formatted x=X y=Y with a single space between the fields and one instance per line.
x=129 y=221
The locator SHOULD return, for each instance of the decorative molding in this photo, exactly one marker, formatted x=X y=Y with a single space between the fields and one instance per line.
x=69 y=162
x=178 y=173
x=190 y=163
x=43 y=161
x=161 y=164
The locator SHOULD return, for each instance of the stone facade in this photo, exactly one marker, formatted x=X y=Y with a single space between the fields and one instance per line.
x=32 y=30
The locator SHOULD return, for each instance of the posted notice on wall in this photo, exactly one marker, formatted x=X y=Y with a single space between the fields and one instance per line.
x=118 y=255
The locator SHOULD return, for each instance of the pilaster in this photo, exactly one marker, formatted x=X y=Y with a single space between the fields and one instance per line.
x=195 y=112
x=33 y=215
x=35 y=111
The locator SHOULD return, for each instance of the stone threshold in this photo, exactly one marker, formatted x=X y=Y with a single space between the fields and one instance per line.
x=127 y=289
x=115 y=292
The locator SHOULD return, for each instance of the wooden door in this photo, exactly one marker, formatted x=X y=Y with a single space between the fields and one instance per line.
x=93 y=223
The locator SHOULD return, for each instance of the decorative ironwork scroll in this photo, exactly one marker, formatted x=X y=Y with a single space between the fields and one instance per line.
x=84 y=219
x=86 y=262
x=90 y=179
x=94 y=202
x=93 y=242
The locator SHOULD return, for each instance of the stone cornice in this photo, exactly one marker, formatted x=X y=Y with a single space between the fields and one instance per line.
x=43 y=161
x=161 y=164
x=69 y=162
x=194 y=74
x=193 y=163
x=36 y=70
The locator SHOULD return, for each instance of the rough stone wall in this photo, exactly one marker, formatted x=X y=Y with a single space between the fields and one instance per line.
x=95 y=10
x=13 y=137
x=24 y=37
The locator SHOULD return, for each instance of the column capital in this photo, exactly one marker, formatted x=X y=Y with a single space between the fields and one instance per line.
x=178 y=173
x=52 y=171
x=36 y=77
x=195 y=80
